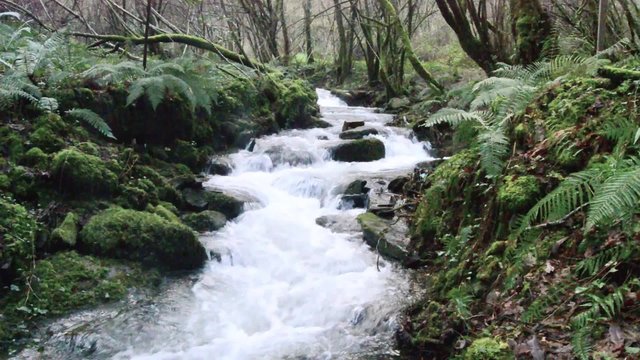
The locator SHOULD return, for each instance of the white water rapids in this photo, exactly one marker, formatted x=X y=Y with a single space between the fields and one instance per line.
x=286 y=288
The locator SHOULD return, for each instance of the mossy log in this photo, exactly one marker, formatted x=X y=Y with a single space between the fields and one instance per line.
x=618 y=75
x=194 y=41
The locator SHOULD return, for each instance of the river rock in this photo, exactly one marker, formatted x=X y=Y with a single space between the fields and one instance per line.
x=397 y=185
x=358 y=133
x=363 y=150
x=207 y=220
x=355 y=195
x=387 y=238
x=280 y=154
x=348 y=125
x=399 y=103
x=201 y=200
x=219 y=166
x=339 y=223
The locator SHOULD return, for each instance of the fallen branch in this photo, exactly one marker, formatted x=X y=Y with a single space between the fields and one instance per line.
x=197 y=42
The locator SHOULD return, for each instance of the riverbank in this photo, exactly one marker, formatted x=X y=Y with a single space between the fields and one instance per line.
x=100 y=171
x=528 y=234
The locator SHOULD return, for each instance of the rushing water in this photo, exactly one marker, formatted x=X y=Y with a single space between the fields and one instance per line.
x=285 y=287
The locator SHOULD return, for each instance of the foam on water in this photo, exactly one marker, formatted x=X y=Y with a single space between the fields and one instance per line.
x=286 y=288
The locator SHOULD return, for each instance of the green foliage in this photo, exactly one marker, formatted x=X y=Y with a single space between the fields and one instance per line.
x=518 y=193
x=67 y=232
x=488 y=349
x=17 y=232
x=92 y=119
x=79 y=174
x=144 y=237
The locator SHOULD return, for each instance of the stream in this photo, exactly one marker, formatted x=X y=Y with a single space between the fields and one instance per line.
x=285 y=287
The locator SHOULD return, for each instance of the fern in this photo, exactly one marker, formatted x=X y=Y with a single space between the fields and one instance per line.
x=92 y=119
x=618 y=194
x=113 y=73
x=593 y=265
x=455 y=117
x=156 y=87
x=581 y=343
x=572 y=193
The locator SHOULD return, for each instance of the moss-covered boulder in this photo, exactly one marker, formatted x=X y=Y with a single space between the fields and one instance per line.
x=78 y=173
x=488 y=349
x=207 y=220
x=67 y=232
x=66 y=282
x=49 y=132
x=384 y=237
x=517 y=193
x=138 y=194
x=163 y=211
x=144 y=237
x=200 y=200
x=363 y=150
x=36 y=158
x=17 y=231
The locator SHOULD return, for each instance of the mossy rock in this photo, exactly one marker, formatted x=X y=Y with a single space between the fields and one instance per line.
x=22 y=182
x=66 y=282
x=5 y=183
x=88 y=148
x=518 y=193
x=187 y=153
x=79 y=173
x=138 y=194
x=488 y=349
x=144 y=237
x=11 y=143
x=200 y=200
x=67 y=232
x=49 y=132
x=163 y=211
x=207 y=220
x=363 y=150
x=36 y=158
x=17 y=232
x=380 y=235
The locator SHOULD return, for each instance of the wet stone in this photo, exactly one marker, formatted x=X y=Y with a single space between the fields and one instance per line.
x=348 y=125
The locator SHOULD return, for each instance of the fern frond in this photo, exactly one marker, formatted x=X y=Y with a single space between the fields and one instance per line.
x=493 y=146
x=619 y=193
x=581 y=343
x=113 y=73
x=455 y=117
x=156 y=88
x=592 y=265
x=92 y=119
x=572 y=193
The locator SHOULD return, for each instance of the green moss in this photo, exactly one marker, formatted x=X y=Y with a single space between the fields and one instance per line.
x=11 y=142
x=65 y=282
x=79 y=173
x=229 y=206
x=488 y=349
x=296 y=103
x=207 y=220
x=36 y=158
x=5 y=183
x=49 y=133
x=517 y=193
x=67 y=232
x=88 y=148
x=186 y=153
x=22 y=182
x=139 y=193
x=142 y=236
x=164 y=212
x=17 y=231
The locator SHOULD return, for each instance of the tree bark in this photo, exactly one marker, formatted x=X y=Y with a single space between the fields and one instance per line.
x=285 y=33
x=307 y=31
x=146 y=35
x=406 y=41
x=531 y=28
x=194 y=41
x=602 y=24
x=342 y=65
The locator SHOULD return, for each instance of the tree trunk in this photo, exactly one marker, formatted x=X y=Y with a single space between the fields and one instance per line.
x=406 y=41
x=146 y=35
x=194 y=41
x=531 y=29
x=341 y=61
x=602 y=24
x=307 y=31
x=285 y=33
